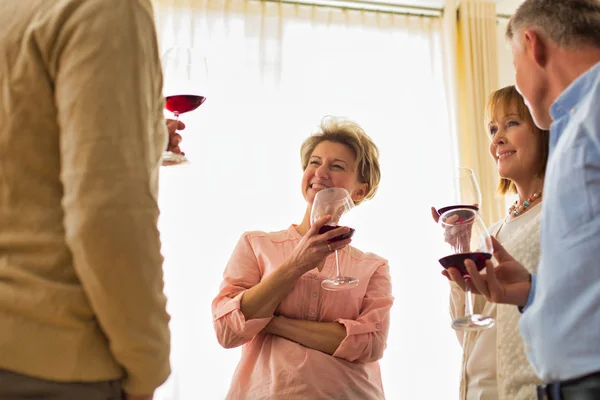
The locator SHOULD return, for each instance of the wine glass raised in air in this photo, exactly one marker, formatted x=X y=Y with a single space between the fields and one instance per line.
x=335 y=202
x=466 y=237
x=464 y=190
x=186 y=82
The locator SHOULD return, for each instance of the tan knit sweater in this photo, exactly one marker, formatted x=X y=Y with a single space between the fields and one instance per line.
x=81 y=134
x=515 y=377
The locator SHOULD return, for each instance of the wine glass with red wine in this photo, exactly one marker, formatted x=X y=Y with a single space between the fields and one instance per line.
x=335 y=202
x=465 y=191
x=186 y=81
x=466 y=238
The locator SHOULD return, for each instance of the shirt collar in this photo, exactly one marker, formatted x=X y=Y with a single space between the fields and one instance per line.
x=569 y=99
x=293 y=233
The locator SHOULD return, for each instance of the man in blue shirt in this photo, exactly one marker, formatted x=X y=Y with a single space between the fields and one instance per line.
x=556 y=54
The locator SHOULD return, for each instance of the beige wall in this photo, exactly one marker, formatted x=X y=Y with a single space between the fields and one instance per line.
x=506 y=75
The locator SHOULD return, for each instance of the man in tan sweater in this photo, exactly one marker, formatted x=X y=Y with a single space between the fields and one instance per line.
x=82 y=310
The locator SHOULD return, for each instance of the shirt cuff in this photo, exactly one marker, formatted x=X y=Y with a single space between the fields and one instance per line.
x=236 y=321
x=531 y=296
x=352 y=346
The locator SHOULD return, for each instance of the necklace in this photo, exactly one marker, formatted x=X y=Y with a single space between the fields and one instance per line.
x=518 y=209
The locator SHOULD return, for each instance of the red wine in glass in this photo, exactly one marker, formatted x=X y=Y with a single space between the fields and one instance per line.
x=463 y=213
x=183 y=103
x=458 y=261
x=442 y=210
x=327 y=228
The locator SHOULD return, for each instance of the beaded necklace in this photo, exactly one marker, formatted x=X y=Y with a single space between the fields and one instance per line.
x=516 y=209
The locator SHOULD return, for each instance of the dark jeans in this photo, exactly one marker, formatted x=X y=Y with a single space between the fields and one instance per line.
x=15 y=386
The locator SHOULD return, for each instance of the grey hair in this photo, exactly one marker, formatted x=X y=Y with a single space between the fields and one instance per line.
x=568 y=23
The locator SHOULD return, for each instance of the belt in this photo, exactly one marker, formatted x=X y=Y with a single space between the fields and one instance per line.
x=584 y=388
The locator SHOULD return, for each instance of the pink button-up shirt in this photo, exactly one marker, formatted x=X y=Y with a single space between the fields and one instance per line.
x=273 y=367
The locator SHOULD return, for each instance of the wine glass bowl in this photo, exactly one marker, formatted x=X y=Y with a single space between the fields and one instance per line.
x=466 y=238
x=464 y=190
x=182 y=103
x=335 y=202
x=327 y=228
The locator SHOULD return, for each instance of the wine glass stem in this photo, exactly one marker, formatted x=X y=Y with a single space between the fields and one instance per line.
x=468 y=303
x=337 y=264
x=176 y=115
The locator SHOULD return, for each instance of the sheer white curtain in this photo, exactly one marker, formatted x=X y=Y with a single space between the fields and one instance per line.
x=275 y=71
x=506 y=76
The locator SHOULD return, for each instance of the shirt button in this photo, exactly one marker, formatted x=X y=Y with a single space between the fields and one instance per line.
x=316 y=278
x=314 y=294
x=572 y=110
x=313 y=312
x=378 y=326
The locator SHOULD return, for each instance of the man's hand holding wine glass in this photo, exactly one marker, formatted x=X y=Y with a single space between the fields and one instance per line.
x=507 y=283
x=174 y=138
x=186 y=83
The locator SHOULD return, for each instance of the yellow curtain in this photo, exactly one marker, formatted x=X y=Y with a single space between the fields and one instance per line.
x=472 y=63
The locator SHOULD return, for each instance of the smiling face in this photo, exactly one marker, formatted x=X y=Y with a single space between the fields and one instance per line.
x=332 y=164
x=515 y=145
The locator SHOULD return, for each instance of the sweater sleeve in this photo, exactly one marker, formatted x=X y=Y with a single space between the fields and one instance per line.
x=108 y=85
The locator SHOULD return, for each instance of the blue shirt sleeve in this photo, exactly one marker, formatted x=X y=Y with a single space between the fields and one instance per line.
x=531 y=296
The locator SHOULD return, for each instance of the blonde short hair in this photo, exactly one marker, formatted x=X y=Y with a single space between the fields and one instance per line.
x=350 y=134
x=502 y=100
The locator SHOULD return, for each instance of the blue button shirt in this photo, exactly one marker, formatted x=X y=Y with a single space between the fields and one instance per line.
x=561 y=322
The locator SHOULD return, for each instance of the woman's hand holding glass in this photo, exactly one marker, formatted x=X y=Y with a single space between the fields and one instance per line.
x=457 y=235
x=314 y=248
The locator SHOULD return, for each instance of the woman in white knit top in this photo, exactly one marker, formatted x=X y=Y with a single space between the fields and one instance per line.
x=494 y=363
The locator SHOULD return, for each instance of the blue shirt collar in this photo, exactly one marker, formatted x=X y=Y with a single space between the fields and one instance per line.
x=570 y=98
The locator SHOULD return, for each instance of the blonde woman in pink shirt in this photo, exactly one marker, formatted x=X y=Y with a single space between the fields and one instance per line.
x=301 y=341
